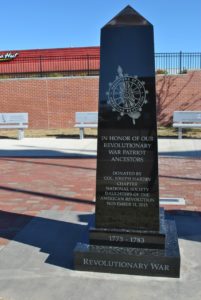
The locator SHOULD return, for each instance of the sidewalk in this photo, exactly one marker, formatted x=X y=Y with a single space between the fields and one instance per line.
x=47 y=147
x=55 y=147
x=47 y=198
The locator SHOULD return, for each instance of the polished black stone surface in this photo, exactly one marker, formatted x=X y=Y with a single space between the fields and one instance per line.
x=127 y=163
x=136 y=261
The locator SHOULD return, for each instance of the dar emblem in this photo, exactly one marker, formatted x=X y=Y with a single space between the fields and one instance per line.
x=127 y=95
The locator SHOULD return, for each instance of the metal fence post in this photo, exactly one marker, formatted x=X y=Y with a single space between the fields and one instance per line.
x=88 y=65
x=180 y=62
x=41 y=71
x=200 y=61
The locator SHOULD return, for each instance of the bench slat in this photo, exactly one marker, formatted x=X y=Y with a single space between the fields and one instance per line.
x=86 y=125
x=183 y=125
x=187 y=116
x=13 y=126
x=86 y=117
x=13 y=118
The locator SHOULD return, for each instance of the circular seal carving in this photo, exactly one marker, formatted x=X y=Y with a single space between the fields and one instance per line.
x=127 y=95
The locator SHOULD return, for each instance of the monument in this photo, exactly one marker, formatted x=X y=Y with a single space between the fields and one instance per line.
x=131 y=234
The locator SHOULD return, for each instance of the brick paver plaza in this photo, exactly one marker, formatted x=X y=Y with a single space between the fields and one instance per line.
x=30 y=185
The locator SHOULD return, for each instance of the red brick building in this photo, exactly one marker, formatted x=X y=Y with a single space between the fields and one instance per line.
x=52 y=101
x=49 y=60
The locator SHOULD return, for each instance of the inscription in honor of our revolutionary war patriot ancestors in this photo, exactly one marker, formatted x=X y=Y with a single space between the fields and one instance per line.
x=130 y=235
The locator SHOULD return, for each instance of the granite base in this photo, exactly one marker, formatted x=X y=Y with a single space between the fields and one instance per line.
x=128 y=260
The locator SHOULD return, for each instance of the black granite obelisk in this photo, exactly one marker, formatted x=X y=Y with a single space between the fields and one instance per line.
x=130 y=235
x=127 y=164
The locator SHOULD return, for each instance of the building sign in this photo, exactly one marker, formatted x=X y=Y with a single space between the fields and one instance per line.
x=8 y=56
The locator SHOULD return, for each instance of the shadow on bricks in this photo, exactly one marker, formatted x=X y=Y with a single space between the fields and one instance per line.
x=47 y=195
x=56 y=238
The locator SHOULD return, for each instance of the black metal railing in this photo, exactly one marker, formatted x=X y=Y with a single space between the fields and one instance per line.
x=50 y=66
x=88 y=65
x=177 y=63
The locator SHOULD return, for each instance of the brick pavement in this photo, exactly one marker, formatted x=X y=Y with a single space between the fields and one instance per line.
x=181 y=177
x=29 y=185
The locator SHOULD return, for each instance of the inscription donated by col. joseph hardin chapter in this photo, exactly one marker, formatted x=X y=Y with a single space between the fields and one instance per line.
x=126 y=265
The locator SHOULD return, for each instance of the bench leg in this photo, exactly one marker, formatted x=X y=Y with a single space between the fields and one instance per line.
x=180 y=132
x=81 y=133
x=20 y=134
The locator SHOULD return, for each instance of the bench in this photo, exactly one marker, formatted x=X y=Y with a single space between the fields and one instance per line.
x=186 y=119
x=14 y=121
x=85 y=120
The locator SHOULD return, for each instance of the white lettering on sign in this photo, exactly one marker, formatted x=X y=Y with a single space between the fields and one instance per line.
x=115 y=264
x=126 y=264
x=159 y=267
x=8 y=56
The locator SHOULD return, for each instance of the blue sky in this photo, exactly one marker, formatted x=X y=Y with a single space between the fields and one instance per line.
x=37 y=24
